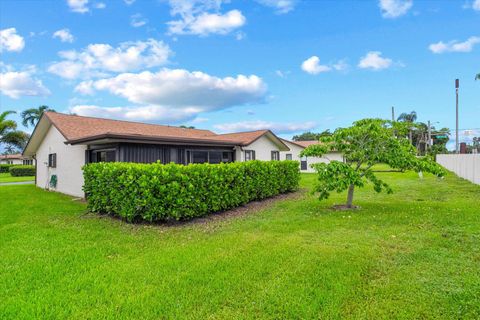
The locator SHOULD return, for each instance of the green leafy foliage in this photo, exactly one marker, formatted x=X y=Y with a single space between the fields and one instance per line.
x=5 y=168
x=22 y=171
x=156 y=192
x=366 y=143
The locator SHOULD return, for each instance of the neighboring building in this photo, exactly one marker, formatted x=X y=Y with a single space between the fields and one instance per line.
x=62 y=144
x=305 y=162
x=15 y=159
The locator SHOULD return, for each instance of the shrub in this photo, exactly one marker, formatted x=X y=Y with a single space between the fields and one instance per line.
x=156 y=192
x=4 y=168
x=22 y=171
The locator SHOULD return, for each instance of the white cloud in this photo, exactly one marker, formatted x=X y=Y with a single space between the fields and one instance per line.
x=176 y=93
x=454 y=46
x=64 y=35
x=79 y=6
x=312 y=65
x=476 y=5
x=137 y=20
x=394 y=8
x=16 y=84
x=261 y=125
x=128 y=2
x=10 y=40
x=341 y=65
x=99 y=59
x=82 y=6
x=374 y=60
x=203 y=17
x=280 y=6
x=138 y=113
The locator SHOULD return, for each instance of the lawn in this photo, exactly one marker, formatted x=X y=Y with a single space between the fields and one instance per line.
x=413 y=254
x=7 y=177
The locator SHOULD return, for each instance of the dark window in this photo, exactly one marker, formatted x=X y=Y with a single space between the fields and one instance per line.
x=28 y=162
x=52 y=160
x=303 y=163
x=227 y=156
x=249 y=155
x=105 y=156
x=215 y=157
x=288 y=156
x=275 y=155
x=199 y=156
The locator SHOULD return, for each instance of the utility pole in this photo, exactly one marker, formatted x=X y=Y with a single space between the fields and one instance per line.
x=457 y=84
x=393 y=113
x=429 y=143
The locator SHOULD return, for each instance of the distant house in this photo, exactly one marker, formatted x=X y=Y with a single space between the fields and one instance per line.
x=296 y=147
x=17 y=158
x=62 y=144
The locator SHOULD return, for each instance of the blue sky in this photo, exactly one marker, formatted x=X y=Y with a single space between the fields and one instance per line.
x=286 y=65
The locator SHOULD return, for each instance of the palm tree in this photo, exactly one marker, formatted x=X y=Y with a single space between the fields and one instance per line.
x=410 y=118
x=32 y=115
x=9 y=133
x=477 y=77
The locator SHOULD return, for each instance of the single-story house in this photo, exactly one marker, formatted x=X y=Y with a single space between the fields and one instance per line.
x=62 y=144
x=17 y=158
x=296 y=147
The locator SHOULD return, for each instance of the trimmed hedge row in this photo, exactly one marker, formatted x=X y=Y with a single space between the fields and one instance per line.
x=4 y=168
x=22 y=171
x=156 y=192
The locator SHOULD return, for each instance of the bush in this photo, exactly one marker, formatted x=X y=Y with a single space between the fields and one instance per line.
x=4 y=168
x=156 y=192
x=22 y=171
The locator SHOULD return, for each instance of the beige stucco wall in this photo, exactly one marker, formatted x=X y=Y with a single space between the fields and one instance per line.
x=70 y=160
x=263 y=147
x=295 y=151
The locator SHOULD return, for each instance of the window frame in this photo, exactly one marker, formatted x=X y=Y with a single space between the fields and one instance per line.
x=251 y=155
x=289 y=155
x=275 y=155
x=52 y=160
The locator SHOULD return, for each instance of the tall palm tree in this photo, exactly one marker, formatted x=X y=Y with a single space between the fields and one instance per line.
x=409 y=118
x=9 y=133
x=32 y=115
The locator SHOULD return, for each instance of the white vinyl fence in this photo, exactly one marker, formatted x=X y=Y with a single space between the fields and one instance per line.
x=466 y=166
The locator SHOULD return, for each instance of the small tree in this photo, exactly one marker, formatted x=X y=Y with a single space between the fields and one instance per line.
x=366 y=143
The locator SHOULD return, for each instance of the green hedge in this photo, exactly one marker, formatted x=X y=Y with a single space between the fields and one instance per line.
x=22 y=171
x=156 y=192
x=4 y=168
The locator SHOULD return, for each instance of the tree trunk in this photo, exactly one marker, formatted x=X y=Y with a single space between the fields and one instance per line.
x=350 y=196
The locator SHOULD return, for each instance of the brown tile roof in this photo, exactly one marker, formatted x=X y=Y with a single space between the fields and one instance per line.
x=11 y=156
x=244 y=137
x=306 y=143
x=303 y=144
x=78 y=128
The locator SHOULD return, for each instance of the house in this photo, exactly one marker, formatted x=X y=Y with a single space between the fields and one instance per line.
x=62 y=144
x=17 y=158
x=296 y=147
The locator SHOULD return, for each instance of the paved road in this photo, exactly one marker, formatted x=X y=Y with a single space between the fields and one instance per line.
x=16 y=183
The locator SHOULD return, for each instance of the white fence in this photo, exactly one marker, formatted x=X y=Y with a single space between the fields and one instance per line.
x=466 y=166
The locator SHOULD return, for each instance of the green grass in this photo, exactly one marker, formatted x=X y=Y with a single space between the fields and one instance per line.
x=7 y=177
x=413 y=254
